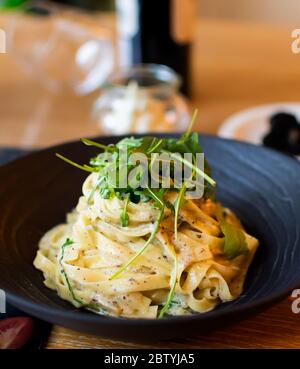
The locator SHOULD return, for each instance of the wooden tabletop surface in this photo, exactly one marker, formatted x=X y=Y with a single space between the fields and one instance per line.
x=234 y=66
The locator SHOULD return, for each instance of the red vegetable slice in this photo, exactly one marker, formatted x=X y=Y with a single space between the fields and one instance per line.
x=15 y=332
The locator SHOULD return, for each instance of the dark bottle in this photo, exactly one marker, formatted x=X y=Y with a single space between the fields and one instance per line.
x=157 y=32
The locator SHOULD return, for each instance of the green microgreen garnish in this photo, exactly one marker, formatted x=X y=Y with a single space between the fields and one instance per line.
x=68 y=243
x=173 y=282
x=113 y=167
x=234 y=238
x=124 y=217
x=98 y=183
x=82 y=167
x=177 y=206
x=192 y=166
x=150 y=239
x=155 y=145
x=95 y=144
x=187 y=133
x=91 y=306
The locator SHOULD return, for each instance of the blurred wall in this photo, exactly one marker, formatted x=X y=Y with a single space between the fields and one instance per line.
x=269 y=11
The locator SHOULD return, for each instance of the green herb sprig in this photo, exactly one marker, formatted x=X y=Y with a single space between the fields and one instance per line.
x=93 y=307
x=234 y=238
x=66 y=244
x=124 y=217
x=173 y=282
x=140 y=252
x=109 y=158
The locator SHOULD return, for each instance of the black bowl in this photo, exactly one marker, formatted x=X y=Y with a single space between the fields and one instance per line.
x=260 y=185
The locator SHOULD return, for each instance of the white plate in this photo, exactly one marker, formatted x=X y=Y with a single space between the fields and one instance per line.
x=252 y=124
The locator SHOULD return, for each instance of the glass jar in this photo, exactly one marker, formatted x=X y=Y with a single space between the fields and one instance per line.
x=144 y=98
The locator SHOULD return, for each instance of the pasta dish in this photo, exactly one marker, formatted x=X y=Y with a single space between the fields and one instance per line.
x=143 y=252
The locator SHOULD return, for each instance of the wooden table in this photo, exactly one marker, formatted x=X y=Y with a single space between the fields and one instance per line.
x=234 y=66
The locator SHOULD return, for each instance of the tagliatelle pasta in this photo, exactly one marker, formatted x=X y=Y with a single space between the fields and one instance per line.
x=81 y=268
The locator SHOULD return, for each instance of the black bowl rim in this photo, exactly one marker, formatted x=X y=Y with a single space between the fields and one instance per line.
x=41 y=310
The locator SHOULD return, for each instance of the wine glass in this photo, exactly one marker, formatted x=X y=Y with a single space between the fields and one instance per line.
x=62 y=48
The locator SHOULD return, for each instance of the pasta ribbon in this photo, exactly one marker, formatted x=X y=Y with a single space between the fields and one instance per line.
x=189 y=271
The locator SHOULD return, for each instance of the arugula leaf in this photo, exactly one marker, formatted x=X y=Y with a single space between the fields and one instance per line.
x=172 y=290
x=96 y=144
x=235 y=241
x=84 y=167
x=147 y=243
x=156 y=144
x=124 y=217
x=176 y=146
x=92 y=193
x=186 y=134
x=147 y=143
x=157 y=196
x=193 y=144
x=192 y=166
x=110 y=161
x=68 y=243
x=177 y=206
x=106 y=193
x=129 y=142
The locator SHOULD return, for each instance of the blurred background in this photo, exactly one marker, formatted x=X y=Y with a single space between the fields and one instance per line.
x=262 y=11
x=78 y=68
